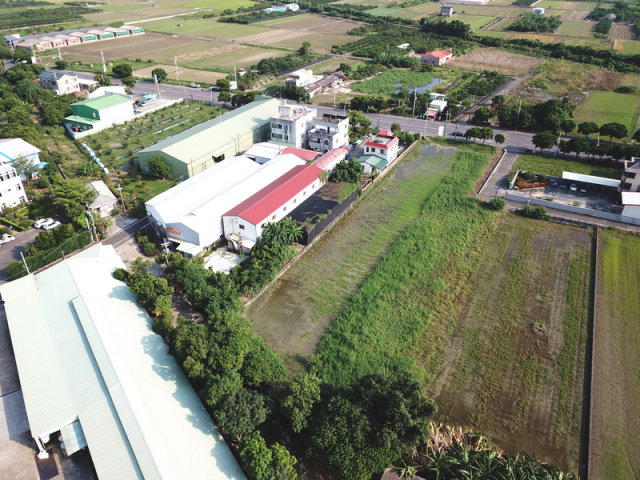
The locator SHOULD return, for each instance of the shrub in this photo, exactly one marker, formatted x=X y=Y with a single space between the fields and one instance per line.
x=121 y=274
x=528 y=176
x=497 y=204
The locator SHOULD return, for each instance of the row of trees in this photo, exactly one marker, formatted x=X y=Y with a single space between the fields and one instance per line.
x=484 y=134
x=42 y=16
x=536 y=23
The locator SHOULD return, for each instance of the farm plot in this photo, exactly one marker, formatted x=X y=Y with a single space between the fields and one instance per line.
x=607 y=107
x=294 y=314
x=627 y=47
x=384 y=11
x=492 y=59
x=621 y=31
x=517 y=351
x=152 y=46
x=554 y=166
x=615 y=414
x=391 y=80
x=126 y=13
x=182 y=74
x=474 y=21
x=243 y=57
x=588 y=29
x=203 y=28
x=571 y=28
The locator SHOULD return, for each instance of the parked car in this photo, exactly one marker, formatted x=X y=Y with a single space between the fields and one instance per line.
x=42 y=222
x=563 y=185
x=6 y=238
x=583 y=190
x=573 y=187
x=215 y=89
x=52 y=225
x=194 y=85
x=458 y=134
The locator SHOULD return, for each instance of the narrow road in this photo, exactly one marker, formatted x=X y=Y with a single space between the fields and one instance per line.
x=126 y=233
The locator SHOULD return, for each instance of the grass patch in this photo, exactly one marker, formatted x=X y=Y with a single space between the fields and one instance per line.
x=555 y=166
x=383 y=84
x=474 y=21
x=571 y=28
x=607 y=107
x=630 y=47
x=384 y=11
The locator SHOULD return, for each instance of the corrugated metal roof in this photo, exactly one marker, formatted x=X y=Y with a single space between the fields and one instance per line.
x=215 y=133
x=16 y=147
x=332 y=157
x=632 y=211
x=579 y=177
x=304 y=154
x=262 y=204
x=103 y=196
x=264 y=150
x=105 y=101
x=85 y=350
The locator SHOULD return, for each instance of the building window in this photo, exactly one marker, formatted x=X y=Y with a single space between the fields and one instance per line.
x=304 y=193
x=273 y=218
x=263 y=225
x=295 y=200
x=631 y=175
x=241 y=227
x=18 y=187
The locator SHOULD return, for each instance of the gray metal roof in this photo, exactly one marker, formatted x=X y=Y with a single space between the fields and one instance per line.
x=579 y=177
x=85 y=351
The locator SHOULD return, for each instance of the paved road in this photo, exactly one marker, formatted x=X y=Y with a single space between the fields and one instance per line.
x=126 y=233
x=10 y=252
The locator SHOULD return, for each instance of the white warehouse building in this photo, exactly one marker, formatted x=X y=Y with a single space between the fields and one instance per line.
x=190 y=214
x=244 y=223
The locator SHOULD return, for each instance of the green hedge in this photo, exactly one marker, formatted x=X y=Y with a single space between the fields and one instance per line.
x=42 y=259
x=13 y=225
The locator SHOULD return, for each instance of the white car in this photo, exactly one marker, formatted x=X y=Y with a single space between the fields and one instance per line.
x=52 y=225
x=42 y=222
x=6 y=238
x=194 y=85
x=573 y=187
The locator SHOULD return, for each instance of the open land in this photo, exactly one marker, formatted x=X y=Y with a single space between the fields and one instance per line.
x=627 y=47
x=295 y=312
x=554 y=166
x=182 y=74
x=493 y=59
x=607 y=107
x=391 y=80
x=615 y=415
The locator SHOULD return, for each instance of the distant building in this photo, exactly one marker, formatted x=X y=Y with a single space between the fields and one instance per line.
x=446 y=11
x=204 y=145
x=437 y=58
x=60 y=82
x=291 y=124
x=99 y=113
x=104 y=201
x=294 y=7
x=323 y=83
x=300 y=78
x=609 y=16
x=328 y=132
x=11 y=189
x=46 y=41
x=372 y=163
x=114 y=89
x=538 y=11
x=384 y=144
x=244 y=223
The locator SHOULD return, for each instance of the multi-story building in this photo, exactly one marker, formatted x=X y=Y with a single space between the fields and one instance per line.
x=631 y=177
x=300 y=78
x=11 y=189
x=60 y=82
x=328 y=132
x=446 y=11
x=384 y=144
x=291 y=124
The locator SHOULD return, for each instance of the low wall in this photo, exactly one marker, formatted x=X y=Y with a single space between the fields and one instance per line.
x=309 y=236
x=569 y=208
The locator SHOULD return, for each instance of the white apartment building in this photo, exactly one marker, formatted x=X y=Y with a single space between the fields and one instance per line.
x=300 y=78
x=60 y=82
x=328 y=132
x=11 y=189
x=291 y=124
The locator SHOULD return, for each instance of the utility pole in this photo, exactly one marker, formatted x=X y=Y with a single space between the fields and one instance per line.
x=104 y=67
x=518 y=116
x=235 y=75
x=119 y=188
x=415 y=97
x=93 y=226
x=59 y=53
x=25 y=264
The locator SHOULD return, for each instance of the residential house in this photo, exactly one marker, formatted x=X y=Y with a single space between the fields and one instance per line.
x=244 y=223
x=631 y=177
x=291 y=124
x=373 y=163
x=329 y=160
x=11 y=188
x=60 y=82
x=14 y=148
x=446 y=11
x=104 y=201
x=300 y=78
x=328 y=132
x=384 y=144
x=437 y=58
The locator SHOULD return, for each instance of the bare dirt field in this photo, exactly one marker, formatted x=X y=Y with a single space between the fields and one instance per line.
x=183 y=74
x=293 y=315
x=152 y=46
x=615 y=410
x=492 y=59
x=621 y=31
x=514 y=366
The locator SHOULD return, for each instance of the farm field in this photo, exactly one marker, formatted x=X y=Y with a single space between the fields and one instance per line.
x=571 y=28
x=622 y=32
x=182 y=74
x=151 y=46
x=207 y=28
x=384 y=11
x=126 y=13
x=607 y=107
x=492 y=59
x=294 y=313
x=615 y=415
x=518 y=346
x=474 y=21
x=241 y=57
x=628 y=47
x=555 y=166
x=391 y=80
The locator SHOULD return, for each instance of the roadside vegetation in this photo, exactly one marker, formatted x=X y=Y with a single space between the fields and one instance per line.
x=548 y=165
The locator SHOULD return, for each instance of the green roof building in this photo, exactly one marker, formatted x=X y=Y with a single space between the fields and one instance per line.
x=200 y=147
x=101 y=112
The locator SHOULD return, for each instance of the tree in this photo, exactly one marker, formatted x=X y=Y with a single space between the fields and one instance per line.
x=103 y=79
x=160 y=74
x=472 y=132
x=587 y=128
x=345 y=68
x=299 y=398
x=544 y=140
x=283 y=463
x=636 y=136
x=122 y=70
x=62 y=65
x=25 y=167
x=486 y=133
x=71 y=197
x=20 y=55
x=568 y=125
x=614 y=129
x=498 y=101
x=241 y=412
x=298 y=94
x=223 y=84
x=159 y=167
x=359 y=125
x=129 y=81
x=482 y=115
x=256 y=456
x=224 y=97
x=285 y=231
x=350 y=172
x=499 y=138
x=396 y=128
x=577 y=145
x=497 y=204
x=305 y=49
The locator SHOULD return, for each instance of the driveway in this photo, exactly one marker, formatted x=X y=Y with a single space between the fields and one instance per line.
x=10 y=252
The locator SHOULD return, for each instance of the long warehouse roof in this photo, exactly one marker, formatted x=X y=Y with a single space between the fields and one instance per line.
x=579 y=177
x=202 y=139
x=87 y=356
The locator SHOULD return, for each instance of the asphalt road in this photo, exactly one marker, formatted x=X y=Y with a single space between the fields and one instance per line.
x=126 y=233
x=10 y=252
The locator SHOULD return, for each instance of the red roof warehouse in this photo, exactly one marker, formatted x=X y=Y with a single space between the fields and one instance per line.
x=271 y=204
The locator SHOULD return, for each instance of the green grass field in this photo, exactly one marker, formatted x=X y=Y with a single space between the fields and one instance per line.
x=384 y=12
x=474 y=21
x=208 y=28
x=384 y=83
x=215 y=5
x=630 y=47
x=245 y=57
x=277 y=21
x=556 y=165
x=607 y=107
x=615 y=437
x=570 y=28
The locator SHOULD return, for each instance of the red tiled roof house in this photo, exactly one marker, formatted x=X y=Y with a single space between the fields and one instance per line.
x=437 y=58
